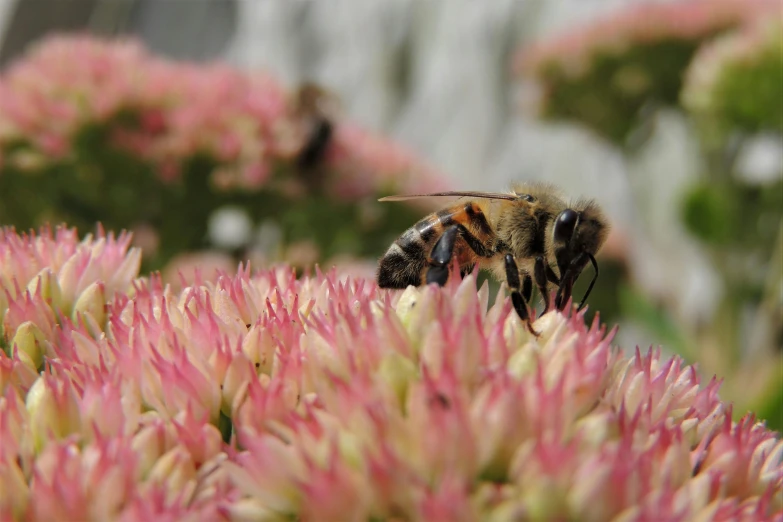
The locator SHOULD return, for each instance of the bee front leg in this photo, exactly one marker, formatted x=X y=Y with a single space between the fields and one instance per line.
x=517 y=298
x=567 y=281
x=570 y=276
x=441 y=255
x=540 y=274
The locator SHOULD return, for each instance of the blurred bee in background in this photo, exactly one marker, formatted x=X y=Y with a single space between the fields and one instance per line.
x=531 y=235
x=317 y=111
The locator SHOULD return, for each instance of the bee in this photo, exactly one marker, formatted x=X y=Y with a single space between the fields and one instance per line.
x=530 y=235
x=316 y=110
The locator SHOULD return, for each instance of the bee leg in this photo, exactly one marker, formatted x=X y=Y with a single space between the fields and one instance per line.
x=520 y=305
x=527 y=288
x=592 y=281
x=551 y=275
x=569 y=278
x=440 y=257
x=540 y=274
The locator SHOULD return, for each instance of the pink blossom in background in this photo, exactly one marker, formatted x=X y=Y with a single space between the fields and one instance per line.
x=639 y=24
x=166 y=113
x=225 y=114
x=717 y=65
x=264 y=396
x=67 y=82
x=366 y=163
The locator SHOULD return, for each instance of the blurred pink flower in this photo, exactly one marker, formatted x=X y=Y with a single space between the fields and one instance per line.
x=367 y=164
x=267 y=396
x=168 y=113
x=611 y=75
x=66 y=83
x=735 y=80
x=639 y=24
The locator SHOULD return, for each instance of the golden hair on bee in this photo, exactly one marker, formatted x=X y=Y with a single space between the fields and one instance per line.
x=528 y=236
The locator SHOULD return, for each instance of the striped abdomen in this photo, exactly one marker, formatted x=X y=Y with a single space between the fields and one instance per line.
x=406 y=261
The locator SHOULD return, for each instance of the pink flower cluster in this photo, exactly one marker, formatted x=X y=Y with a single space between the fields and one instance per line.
x=51 y=276
x=167 y=113
x=263 y=396
x=639 y=24
x=369 y=164
x=738 y=76
x=69 y=82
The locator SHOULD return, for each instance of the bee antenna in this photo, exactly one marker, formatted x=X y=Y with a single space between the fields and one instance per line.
x=595 y=277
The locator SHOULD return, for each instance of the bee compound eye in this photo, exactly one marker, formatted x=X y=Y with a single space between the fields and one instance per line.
x=565 y=225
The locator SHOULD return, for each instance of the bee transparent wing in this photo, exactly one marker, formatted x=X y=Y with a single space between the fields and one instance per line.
x=485 y=195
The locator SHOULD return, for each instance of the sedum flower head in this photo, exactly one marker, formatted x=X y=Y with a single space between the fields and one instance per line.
x=267 y=397
x=169 y=114
x=48 y=276
x=735 y=81
x=608 y=73
x=638 y=25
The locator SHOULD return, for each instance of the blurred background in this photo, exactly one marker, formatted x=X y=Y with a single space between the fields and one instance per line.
x=223 y=130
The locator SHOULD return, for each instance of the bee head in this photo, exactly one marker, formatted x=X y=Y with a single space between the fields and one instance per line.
x=576 y=230
x=565 y=226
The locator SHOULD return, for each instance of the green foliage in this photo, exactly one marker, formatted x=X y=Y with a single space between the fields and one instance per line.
x=226 y=427
x=749 y=96
x=610 y=96
x=735 y=84
x=734 y=214
x=605 y=299
x=770 y=408
x=5 y=345
x=710 y=213
x=97 y=182
x=638 y=306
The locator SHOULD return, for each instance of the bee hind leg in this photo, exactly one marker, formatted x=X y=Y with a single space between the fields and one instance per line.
x=519 y=292
x=441 y=255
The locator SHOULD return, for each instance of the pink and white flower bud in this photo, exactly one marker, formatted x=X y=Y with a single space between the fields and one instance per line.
x=92 y=302
x=238 y=376
x=109 y=411
x=15 y=492
x=53 y=409
x=175 y=472
x=46 y=284
x=29 y=343
x=149 y=444
x=259 y=348
x=16 y=374
x=202 y=440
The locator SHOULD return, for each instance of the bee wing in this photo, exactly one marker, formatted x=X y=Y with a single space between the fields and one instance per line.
x=469 y=194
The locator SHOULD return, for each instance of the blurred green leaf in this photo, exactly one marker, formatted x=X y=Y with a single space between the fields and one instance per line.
x=770 y=407
x=731 y=213
x=735 y=82
x=637 y=306
x=609 y=98
x=605 y=296
x=4 y=344
x=711 y=213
